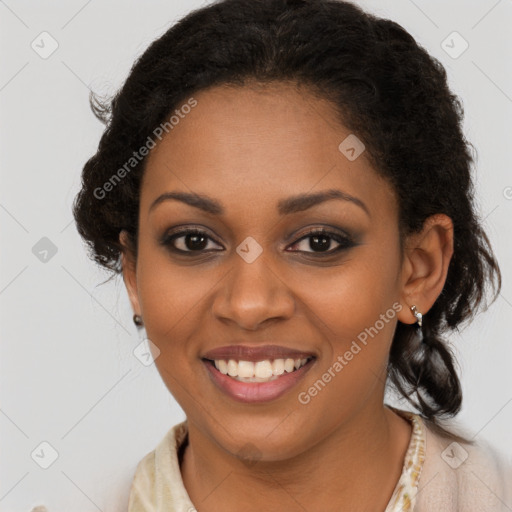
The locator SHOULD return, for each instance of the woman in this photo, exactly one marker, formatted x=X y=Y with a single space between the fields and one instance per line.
x=286 y=189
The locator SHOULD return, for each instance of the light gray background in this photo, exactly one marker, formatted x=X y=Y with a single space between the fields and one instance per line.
x=68 y=376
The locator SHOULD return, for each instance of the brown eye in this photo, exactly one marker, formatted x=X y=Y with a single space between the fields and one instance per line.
x=321 y=241
x=188 y=241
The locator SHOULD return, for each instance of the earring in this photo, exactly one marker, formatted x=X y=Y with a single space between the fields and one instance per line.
x=417 y=315
x=137 y=320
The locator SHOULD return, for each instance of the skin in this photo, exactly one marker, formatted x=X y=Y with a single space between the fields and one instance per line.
x=248 y=148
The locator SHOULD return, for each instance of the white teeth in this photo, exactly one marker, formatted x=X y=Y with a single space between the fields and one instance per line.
x=232 y=368
x=278 y=366
x=260 y=371
x=289 y=365
x=222 y=366
x=245 y=369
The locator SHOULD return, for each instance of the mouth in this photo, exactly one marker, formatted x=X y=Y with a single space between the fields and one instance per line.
x=259 y=371
x=256 y=374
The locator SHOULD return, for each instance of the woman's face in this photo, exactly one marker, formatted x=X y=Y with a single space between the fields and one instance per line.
x=253 y=285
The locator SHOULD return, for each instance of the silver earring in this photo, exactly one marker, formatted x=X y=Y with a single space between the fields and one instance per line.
x=417 y=315
x=137 y=320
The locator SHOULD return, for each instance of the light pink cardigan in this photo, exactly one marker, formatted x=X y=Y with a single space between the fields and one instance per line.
x=481 y=483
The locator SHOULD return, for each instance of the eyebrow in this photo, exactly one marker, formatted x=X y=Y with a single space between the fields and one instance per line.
x=286 y=206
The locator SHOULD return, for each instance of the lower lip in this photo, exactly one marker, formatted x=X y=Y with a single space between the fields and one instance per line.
x=256 y=392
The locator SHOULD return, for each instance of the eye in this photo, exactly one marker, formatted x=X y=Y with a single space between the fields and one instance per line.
x=190 y=241
x=187 y=241
x=320 y=241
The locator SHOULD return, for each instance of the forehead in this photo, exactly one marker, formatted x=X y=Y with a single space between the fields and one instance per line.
x=255 y=145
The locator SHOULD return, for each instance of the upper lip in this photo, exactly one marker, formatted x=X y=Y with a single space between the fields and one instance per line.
x=258 y=353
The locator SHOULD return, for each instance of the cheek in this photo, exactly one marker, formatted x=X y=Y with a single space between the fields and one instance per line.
x=172 y=303
x=357 y=304
x=354 y=295
x=358 y=318
x=171 y=297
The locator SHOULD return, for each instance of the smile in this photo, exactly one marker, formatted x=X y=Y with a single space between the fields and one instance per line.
x=256 y=374
x=258 y=371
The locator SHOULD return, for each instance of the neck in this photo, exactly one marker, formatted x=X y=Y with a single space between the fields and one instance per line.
x=356 y=467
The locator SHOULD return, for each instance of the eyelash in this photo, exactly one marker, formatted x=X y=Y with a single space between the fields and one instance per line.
x=345 y=241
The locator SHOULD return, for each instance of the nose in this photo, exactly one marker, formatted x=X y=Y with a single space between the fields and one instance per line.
x=252 y=294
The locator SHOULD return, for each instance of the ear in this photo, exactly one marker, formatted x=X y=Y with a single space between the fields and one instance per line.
x=427 y=255
x=129 y=267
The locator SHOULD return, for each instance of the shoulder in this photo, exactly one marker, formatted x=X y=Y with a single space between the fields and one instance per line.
x=463 y=476
x=158 y=472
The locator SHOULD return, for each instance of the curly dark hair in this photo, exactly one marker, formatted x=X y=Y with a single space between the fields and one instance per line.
x=383 y=86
